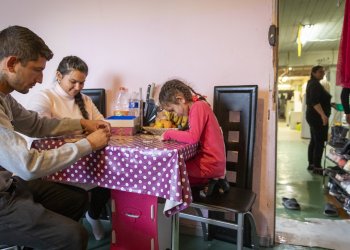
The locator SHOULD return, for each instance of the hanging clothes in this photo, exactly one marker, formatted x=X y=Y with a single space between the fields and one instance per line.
x=343 y=67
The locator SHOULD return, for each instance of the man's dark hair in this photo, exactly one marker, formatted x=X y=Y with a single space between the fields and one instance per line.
x=24 y=44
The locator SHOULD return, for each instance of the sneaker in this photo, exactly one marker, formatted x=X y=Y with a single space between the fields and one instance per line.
x=96 y=225
x=346 y=205
x=224 y=185
x=334 y=191
x=345 y=184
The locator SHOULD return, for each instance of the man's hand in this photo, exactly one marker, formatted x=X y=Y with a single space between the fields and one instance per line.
x=90 y=126
x=99 y=139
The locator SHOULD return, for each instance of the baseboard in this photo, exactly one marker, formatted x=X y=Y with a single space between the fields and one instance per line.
x=266 y=241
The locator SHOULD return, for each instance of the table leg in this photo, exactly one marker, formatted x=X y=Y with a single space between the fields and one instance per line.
x=175 y=232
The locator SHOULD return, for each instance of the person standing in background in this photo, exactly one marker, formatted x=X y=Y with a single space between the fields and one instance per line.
x=37 y=214
x=318 y=110
x=66 y=100
x=344 y=96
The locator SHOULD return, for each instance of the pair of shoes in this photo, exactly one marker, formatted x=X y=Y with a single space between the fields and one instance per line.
x=214 y=187
x=96 y=225
x=334 y=190
x=342 y=177
x=224 y=185
x=290 y=203
x=330 y=210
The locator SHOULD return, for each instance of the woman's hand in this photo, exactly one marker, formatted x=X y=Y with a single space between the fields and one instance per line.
x=90 y=126
x=320 y=111
x=324 y=120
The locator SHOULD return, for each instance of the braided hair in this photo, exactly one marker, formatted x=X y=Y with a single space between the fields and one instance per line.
x=174 y=87
x=67 y=65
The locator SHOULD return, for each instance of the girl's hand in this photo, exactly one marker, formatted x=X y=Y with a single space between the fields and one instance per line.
x=162 y=137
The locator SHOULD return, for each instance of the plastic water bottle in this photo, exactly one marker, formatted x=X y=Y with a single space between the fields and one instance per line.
x=122 y=102
x=134 y=105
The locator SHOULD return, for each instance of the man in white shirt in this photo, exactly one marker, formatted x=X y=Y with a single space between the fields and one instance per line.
x=33 y=216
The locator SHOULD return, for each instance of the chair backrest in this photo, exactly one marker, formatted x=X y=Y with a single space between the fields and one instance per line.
x=98 y=97
x=235 y=109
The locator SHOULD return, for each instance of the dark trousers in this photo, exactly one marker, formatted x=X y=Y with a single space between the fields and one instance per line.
x=99 y=198
x=43 y=215
x=316 y=145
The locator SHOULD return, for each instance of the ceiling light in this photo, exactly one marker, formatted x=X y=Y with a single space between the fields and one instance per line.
x=284 y=79
x=305 y=34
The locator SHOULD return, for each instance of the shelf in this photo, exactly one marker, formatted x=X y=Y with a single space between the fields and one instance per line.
x=331 y=173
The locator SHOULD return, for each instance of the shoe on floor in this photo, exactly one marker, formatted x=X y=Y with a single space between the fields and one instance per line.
x=317 y=170
x=330 y=210
x=334 y=190
x=310 y=167
x=291 y=204
x=96 y=225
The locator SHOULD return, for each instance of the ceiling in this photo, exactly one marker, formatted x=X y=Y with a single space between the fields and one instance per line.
x=325 y=15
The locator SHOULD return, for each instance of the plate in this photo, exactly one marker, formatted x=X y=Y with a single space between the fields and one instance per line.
x=157 y=131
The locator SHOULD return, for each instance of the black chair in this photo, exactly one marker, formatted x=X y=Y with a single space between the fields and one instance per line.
x=235 y=108
x=98 y=97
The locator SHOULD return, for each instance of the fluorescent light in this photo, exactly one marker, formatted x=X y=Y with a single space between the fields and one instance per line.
x=307 y=33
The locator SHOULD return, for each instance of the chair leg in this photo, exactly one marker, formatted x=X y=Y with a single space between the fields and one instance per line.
x=204 y=225
x=109 y=211
x=175 y=232
x=240 y=229
x=255 y=242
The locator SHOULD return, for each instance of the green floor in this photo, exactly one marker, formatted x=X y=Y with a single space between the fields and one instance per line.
x=292 y=180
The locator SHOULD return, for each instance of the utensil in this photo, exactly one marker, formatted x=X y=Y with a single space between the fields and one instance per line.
x=147 y=99
x=151 y=94
x=151 y=112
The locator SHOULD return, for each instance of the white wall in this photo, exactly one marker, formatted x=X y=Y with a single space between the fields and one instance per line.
x=325 y=58
x=134 y=43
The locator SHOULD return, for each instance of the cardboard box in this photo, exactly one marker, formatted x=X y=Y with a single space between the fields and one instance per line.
x=123 y=121
x=124 y=125
x=123 y=131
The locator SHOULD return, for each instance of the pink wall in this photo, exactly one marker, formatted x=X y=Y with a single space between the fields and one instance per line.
x=134 y=43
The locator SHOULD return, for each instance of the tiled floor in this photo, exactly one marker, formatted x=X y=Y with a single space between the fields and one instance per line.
x=293 y=180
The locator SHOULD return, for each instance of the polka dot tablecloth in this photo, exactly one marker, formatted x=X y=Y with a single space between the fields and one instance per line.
x=139 y=164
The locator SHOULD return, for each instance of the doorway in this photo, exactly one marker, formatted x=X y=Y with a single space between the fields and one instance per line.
x=321 y=21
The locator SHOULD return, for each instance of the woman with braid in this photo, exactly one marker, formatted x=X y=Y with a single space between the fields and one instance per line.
x=209 y=164
x=65 y=100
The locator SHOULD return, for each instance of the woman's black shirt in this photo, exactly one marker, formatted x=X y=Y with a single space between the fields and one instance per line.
x=316 y=94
